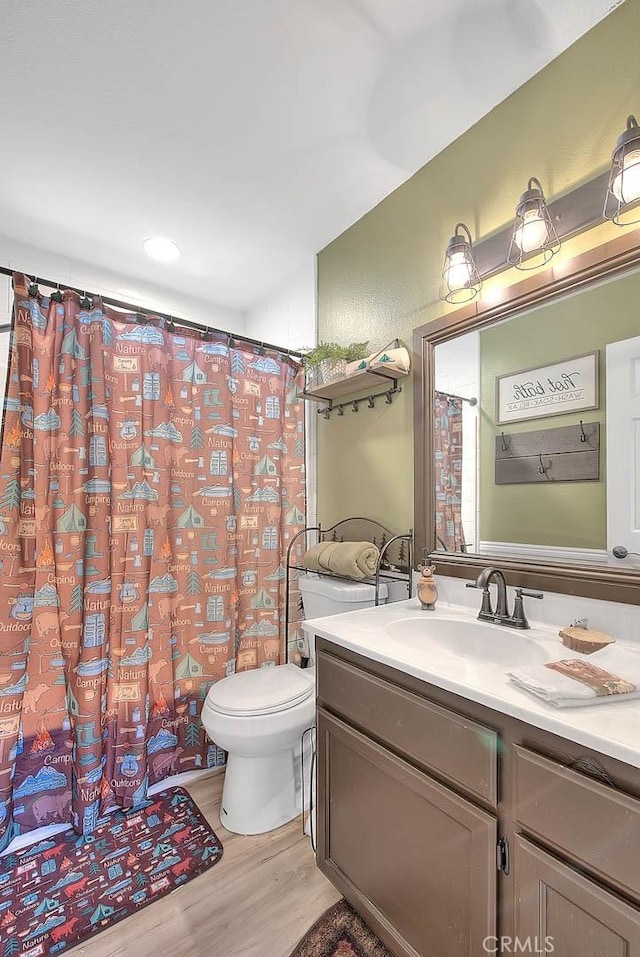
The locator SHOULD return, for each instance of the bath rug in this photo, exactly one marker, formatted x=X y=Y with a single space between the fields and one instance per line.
x=68 y=888
x=340 y=932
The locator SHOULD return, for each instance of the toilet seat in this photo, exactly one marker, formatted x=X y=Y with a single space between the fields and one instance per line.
x=261 y=692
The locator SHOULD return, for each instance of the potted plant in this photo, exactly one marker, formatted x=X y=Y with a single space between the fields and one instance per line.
x=328 y=360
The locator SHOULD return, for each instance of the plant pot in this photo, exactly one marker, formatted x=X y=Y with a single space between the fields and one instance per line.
x=330 y=369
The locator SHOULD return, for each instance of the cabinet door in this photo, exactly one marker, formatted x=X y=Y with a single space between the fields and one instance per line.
x=576 y=916
x=416 y=860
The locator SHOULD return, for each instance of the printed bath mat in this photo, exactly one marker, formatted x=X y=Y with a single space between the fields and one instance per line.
x=63 y=890
x=340 y=932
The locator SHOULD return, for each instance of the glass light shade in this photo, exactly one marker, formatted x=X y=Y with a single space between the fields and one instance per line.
x=534 y=240
x=626 y=184
x=458 y=272
x=622 y=201
x=533 y=232
x=460 y=278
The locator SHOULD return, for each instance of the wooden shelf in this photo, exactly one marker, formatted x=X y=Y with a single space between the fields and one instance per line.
x=350 y=385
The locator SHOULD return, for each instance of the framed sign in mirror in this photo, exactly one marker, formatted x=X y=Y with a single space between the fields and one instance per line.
x=570 y=385
x=555 y=356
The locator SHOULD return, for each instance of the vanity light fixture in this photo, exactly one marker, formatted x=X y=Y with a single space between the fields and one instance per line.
x=460 y=277
x=621 y=204
x=534 y=240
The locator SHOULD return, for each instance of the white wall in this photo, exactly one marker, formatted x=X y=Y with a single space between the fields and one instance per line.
x=288 y=316
x=34 y=261
x=39 y=262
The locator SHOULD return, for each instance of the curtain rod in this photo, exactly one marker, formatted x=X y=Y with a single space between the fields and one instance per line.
x=142 y=310
x=463 y=398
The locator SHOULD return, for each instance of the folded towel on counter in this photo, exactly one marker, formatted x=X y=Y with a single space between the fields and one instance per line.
x=351 y=559
x=612 y=674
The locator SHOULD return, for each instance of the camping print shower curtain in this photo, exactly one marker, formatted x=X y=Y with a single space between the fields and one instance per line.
x=447 y=444
x=149 y=484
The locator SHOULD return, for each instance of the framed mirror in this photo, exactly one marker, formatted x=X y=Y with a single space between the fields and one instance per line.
x=527 y=430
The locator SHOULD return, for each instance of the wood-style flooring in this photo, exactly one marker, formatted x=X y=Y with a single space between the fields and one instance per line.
x=257 y=901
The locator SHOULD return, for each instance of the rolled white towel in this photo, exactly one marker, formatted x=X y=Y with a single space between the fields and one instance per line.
x=395 y=360
x=612 y=674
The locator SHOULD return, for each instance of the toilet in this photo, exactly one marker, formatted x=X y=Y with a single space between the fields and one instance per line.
x=259 y=717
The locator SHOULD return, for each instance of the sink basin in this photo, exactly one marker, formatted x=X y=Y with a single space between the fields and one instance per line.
x=474 y=640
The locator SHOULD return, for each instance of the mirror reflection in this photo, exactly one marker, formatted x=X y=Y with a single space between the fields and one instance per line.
x=537 y=431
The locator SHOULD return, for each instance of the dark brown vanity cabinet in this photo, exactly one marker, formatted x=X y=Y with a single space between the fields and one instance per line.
x=457 y=832
x=561 y=909
x=404 y=847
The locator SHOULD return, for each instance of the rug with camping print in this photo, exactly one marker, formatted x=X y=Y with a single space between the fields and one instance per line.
x=65 y=889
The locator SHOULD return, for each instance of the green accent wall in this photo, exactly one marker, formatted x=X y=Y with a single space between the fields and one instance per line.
x=567 y=514
x=380 y=278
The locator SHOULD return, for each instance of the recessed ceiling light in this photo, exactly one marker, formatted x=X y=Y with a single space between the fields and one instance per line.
x=162 y=249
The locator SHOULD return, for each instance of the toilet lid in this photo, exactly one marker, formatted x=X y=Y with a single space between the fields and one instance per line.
x=262 y=691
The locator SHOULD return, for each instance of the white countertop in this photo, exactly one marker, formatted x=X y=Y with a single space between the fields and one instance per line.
x=611 y=728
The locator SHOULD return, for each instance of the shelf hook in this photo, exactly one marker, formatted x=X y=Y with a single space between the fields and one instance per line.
x=371 y=402
x=505 y=447
x=543 y=467
x=355 y=405
x=583 y=434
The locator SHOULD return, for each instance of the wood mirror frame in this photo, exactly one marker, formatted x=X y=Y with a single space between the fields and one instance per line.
x=591 y=581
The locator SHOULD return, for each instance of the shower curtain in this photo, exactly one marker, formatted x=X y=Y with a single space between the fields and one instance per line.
x=149 y=484
x=447 y=442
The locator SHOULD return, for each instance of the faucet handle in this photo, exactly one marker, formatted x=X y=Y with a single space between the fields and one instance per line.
x=485 y=608
x=519 y=619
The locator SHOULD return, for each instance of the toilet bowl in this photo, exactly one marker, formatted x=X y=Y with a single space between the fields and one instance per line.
x=259 y=717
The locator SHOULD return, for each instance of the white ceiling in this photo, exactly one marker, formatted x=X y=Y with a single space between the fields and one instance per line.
x=250 y=131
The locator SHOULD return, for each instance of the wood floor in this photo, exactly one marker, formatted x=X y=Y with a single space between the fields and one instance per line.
x=256 y=902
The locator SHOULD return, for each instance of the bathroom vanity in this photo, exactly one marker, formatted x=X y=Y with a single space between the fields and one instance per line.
x=455 y=809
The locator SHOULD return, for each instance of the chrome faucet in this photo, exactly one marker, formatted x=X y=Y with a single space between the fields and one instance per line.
x=500 y=614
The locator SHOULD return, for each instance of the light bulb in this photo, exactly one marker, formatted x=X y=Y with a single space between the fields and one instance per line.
x=626 y=185
x=533 y=233
x=458 y=273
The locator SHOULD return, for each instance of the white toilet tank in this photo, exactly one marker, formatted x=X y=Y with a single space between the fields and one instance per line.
x=322 y=596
